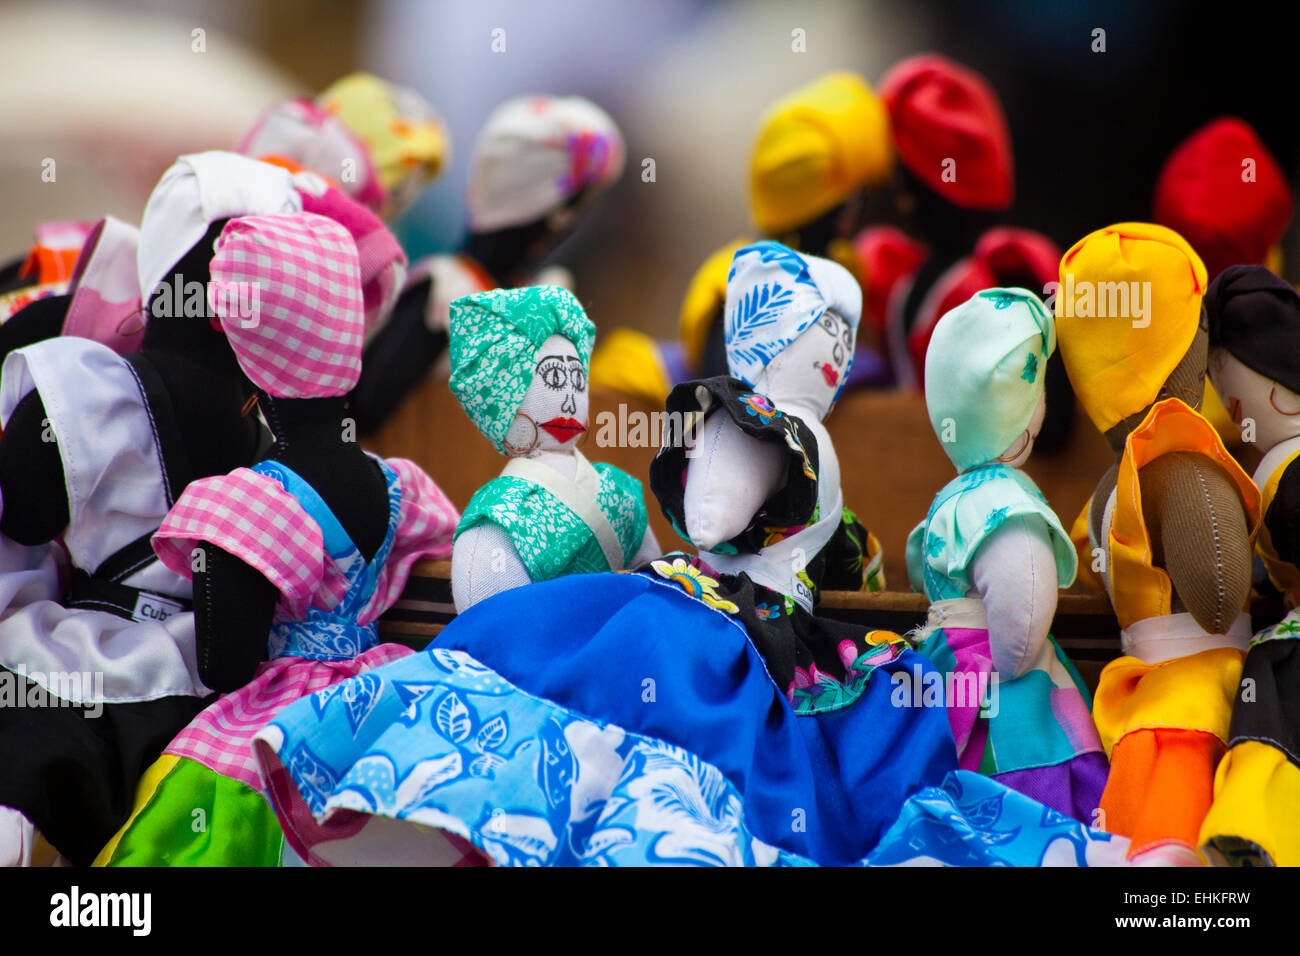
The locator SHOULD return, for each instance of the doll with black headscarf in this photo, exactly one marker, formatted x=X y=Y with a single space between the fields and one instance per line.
x=1254 y=319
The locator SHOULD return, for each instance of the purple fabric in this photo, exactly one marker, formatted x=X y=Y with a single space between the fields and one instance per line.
x=1073 y=788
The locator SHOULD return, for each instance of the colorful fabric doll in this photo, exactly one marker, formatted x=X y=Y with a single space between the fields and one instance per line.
x=955 y=177
x=820 y=156
x=791 y=322
x=537 y=164
x=519 y=369
x=655 y=717
x=309 y=545
x=34 y=287
x=1222 y=190
x=379 y=142
x=1254 y=319
x=128 y=434
x=991 y=554
x=1169 y=528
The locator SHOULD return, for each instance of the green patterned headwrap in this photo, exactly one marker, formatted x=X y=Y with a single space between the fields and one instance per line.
x=495 y=337
x=984 y=372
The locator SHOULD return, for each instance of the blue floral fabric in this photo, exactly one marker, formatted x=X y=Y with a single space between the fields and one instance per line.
x=591 y=740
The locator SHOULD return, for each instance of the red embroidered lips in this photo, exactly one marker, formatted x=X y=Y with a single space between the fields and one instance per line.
x=564 y=429
x=828 y=372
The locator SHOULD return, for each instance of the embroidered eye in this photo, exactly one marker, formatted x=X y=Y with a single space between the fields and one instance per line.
x=553 y=374
x=837 y=353
x=577 y=377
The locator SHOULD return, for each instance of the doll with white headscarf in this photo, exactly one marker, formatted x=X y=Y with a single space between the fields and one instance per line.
x=991 y=554
x=519 y=369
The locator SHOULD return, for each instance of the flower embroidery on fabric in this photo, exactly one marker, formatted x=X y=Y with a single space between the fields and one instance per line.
x=760 y=407
x=1030 y=374
x=995 y=518
x=694 y=582
x=934 y=545
x=766 y=612
x=795 y=444
x=772 y=535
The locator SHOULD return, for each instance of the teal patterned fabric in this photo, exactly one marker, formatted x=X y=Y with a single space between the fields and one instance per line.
x=549 y=537
x=493 y=348
x=969 y=509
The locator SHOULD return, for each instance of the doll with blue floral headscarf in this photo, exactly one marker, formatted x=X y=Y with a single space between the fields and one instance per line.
x=991 y=554
x=519 y=369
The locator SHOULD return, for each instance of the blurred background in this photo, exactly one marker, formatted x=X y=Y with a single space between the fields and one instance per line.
x=114 y=90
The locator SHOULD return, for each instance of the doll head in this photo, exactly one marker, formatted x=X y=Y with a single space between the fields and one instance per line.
x=817 y=150
x=1130 y=322
x=197 y=191
x=300 y=272
x=1254 y=334
x=519 y=363
x=537 y=162
x=1203 y=195
x=791 y=321
x=985 y=374
x=381 y=143
x=553 y=414
x=953 y=146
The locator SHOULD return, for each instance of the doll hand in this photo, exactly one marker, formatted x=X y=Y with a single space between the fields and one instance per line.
x=729 y=476
x=1014 y=572
x=1198 y=535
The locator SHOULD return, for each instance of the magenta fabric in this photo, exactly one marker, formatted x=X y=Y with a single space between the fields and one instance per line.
x=252 y=517
x=970 y=646
x=287 y=289
x=383 y=263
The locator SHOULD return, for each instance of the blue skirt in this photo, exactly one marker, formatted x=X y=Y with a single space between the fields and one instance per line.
x=613 y=719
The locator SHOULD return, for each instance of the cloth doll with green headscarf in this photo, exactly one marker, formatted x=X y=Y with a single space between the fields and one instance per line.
x=519 y=360
x=991 y=554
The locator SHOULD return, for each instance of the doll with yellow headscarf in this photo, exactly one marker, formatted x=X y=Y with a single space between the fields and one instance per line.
x=1168 y=529
x=819 y=155
x=991 y=555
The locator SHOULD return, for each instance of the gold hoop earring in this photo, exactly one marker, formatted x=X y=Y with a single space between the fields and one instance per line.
x=516 y=452
x=1025 y=439
x=1273 y=402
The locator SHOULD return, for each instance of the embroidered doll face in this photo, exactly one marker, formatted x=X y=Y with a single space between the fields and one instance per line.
x=553 y=415
x=811 y=369
x=1255 y=400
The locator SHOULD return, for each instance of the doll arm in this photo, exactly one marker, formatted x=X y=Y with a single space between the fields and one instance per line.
x=729 y=476
x=31 y=476
x=1198 y=531
x=484 y=562
x=1014 y=572
x=234 y=607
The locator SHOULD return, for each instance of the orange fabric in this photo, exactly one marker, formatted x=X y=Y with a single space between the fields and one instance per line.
x=45 y=265
x=1160 y=787
x=1138 y=589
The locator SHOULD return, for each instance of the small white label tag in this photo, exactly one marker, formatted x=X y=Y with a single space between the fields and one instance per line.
x=154 y=607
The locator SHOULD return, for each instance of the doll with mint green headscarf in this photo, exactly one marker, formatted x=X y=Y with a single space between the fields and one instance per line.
x=519 y=360
x=991 y=555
